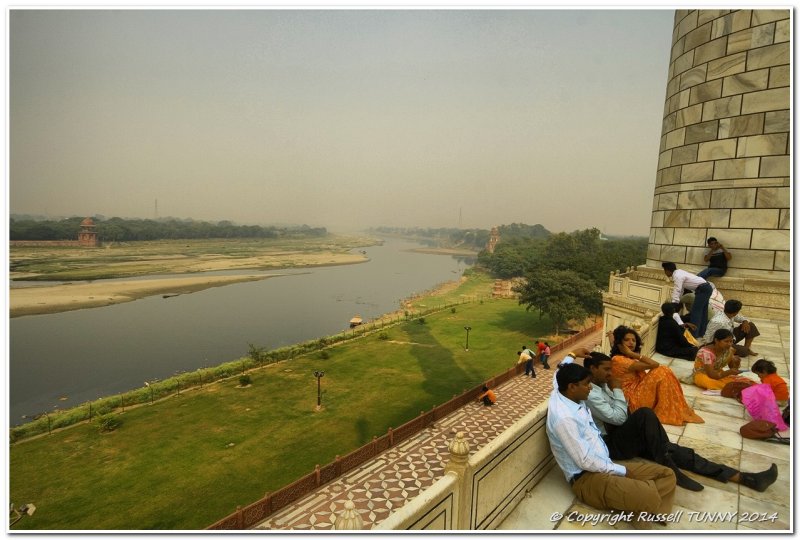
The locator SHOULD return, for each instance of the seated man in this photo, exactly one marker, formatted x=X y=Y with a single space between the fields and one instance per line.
x=641 y=434
x=717 y=258
x=580 y=452
x=741 y=328
x=670 y=339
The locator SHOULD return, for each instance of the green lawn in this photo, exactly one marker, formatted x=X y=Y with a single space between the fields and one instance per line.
x=189 y=460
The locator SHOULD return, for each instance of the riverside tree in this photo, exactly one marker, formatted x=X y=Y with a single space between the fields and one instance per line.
x=560 y=294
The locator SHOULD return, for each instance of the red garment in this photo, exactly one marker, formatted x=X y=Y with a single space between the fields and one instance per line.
x=540 y=346
x=778 y=385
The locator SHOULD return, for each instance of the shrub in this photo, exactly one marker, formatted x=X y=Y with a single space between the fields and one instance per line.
x=257 y=354
x=108 y=422
x=244 y=380
x=324 y=355
x=102 y=408
x=452 y=310
x=383 y=336
x=421 y=320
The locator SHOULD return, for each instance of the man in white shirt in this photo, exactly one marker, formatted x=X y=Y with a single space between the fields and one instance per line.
x=681 y=280
x=645 y=489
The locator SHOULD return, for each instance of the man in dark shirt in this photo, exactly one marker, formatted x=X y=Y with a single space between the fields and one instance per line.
x=717 y=259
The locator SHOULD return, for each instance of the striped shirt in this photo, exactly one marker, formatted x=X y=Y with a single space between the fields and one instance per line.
x=719 y=321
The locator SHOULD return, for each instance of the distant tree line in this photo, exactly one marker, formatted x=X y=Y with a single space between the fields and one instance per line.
x=464 y=238
x=127 y=230
x=564 y=273
x=474 y=239
x=521 y=230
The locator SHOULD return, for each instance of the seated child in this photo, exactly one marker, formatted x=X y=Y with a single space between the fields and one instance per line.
x=766 y=371
x=487 y=396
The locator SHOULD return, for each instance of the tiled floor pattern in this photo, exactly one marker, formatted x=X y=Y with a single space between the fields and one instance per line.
x=385 y=483
x=552 y=506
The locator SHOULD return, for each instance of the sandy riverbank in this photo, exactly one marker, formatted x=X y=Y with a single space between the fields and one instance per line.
x=58 y=298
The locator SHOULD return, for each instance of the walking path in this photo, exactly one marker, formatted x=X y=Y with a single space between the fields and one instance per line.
x=385 y=483
x=551 y=505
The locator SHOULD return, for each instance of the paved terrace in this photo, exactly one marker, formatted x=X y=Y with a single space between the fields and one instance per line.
x=384 y=484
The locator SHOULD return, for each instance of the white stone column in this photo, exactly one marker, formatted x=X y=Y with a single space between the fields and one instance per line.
x=723 y=167
x=348 y=519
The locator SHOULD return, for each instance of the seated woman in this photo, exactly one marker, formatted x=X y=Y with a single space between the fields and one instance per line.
x=670 y=340
x=646 y=383
x=712 y=360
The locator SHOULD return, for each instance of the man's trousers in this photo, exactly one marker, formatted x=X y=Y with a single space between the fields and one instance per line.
x=642 y=435
x=647 y=487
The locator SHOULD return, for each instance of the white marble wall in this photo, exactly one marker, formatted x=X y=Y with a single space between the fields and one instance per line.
x=724 y=163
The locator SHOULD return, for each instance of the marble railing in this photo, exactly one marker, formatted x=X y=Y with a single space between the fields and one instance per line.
x=478 y=492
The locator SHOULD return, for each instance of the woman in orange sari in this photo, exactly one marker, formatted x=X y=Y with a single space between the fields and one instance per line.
x=646 y=383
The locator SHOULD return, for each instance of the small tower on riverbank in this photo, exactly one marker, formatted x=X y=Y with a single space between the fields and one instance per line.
x=87 y=237
x=494 y=238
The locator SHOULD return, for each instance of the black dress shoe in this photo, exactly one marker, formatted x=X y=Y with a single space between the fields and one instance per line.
x=759 y=481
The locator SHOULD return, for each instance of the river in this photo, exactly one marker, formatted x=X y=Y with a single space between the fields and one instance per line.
x=86 y=354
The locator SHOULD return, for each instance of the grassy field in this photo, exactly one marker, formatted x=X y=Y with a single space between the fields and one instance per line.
x=175 y=256
x=187 y=461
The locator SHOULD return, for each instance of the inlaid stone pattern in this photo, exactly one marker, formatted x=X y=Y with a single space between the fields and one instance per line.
x=384 y=484
x=724 y=162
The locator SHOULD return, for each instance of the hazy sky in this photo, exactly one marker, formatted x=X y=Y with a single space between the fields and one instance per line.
x=340 y=118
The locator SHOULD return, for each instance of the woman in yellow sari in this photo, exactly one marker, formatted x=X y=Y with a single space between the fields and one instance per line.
x=712 y=360
x=646 y=383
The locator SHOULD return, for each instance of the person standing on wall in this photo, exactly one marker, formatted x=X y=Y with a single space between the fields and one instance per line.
x=681 y=280
x=717 y=259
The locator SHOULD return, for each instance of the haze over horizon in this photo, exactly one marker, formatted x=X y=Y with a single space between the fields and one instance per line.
x=345 y=119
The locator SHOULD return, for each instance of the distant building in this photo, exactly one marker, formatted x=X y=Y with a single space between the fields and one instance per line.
x=87 y=237
x=494 y=238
